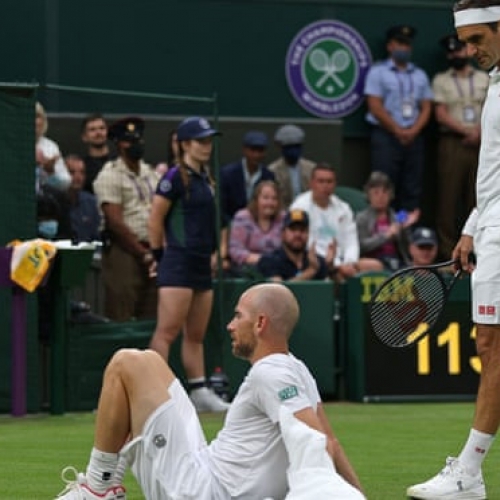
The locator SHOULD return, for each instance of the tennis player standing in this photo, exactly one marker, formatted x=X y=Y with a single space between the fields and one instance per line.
x=477 y=24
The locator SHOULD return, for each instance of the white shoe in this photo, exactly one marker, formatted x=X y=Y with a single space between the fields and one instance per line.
x=77 y=488
x=205 y=399
x=452 y=483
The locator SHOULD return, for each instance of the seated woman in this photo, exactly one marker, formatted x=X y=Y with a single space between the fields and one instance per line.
x=256 y=230
x=382 y=233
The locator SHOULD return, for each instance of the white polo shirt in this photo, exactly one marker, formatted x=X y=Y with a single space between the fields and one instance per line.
x=488 y=173
x=335 y=222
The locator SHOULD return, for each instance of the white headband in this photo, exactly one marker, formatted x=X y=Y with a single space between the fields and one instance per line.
x=477 y=16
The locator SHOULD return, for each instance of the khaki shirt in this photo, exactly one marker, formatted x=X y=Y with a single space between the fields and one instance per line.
x=282 y=176
x=116 y=183
x=460 y=92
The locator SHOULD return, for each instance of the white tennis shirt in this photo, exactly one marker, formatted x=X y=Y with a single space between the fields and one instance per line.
x=248 y=455
x=488 y=173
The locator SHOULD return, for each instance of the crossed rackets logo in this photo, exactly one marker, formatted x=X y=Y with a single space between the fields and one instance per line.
x=326 y=64
x=329 y=69
x=337 y=62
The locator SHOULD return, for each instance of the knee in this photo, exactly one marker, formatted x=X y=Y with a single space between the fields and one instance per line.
x=167 y=334
x=124 y=361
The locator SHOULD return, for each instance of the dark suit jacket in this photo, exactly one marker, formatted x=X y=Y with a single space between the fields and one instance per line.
x=232 y=188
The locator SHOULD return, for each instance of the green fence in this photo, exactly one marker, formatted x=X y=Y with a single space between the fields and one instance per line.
x=89 y=348
x=17 y=220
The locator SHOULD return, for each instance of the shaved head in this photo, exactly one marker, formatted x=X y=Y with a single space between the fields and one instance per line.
x=276 y=302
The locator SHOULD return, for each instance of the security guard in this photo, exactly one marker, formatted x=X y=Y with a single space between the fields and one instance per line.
x=124 y=189
x=459 y=93
x=399 y=101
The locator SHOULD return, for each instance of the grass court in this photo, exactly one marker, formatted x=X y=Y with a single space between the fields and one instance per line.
x=390 y=445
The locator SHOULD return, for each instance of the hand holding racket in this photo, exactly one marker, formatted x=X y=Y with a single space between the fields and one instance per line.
x=409 y=303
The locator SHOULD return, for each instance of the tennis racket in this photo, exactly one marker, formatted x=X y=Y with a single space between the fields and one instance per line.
x=409 y=303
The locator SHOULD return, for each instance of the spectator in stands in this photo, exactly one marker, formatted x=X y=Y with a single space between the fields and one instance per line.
x=383 y=233
x=238 y=179
x=332 y=224
x=124 y=189
x=85 y=217
x=292 y=170
x=293 y=261
x=459 y=93
x=53 y=207
x=183 y=215
x=172 y=154
x=399 y=99
x=423 y=246
x=94 y=134
x=50 y=167
x=256 y=230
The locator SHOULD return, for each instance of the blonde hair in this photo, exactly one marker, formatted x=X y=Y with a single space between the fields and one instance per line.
x=252 y=205
x=40 y=111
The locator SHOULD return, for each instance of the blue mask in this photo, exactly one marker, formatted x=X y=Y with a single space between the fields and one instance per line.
x=401 y=56
x=292 y=153
x=48 y=229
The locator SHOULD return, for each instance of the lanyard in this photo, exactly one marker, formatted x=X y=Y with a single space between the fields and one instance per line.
x=459 y=88
x=139 y=188
x=402 y=87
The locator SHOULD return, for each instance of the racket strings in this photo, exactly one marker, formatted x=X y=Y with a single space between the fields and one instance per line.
x=407 y=306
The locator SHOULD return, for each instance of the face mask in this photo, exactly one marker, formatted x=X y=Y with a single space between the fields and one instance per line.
x=135 y=151
x=291 y=154
x=458 y=62
x=401 y=55
x=48 y=228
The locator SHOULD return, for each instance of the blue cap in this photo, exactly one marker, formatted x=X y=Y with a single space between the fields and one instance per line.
x=424 y=236
x=255 y=139
x=195 y=127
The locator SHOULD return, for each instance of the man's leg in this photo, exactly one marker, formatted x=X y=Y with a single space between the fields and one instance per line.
x=487 y=415
x=135 y=384
x=462 y=477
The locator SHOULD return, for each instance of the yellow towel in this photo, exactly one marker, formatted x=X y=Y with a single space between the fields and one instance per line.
x=30 y=262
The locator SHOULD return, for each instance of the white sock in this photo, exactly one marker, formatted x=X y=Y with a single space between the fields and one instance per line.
x=196 y=383
x=101 y=469
x=475 y=450
x=120 y=470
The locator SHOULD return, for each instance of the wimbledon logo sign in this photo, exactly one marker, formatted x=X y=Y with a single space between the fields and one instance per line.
x=326 y=66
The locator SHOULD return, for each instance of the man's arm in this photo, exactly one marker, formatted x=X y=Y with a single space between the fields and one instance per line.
x=423 y=117
x=377 y=109
x=113 y=214
x=319 y=421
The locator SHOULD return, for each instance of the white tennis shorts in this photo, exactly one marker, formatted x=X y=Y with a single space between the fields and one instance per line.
x=485 y=279
x=168 y=459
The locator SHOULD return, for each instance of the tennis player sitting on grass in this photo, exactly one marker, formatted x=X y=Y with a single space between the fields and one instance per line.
x=168 y=453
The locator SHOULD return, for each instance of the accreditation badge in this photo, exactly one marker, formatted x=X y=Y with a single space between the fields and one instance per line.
x=407 y=109
x=469 y=114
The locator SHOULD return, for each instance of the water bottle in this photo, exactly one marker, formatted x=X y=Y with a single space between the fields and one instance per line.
x=220 y=383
